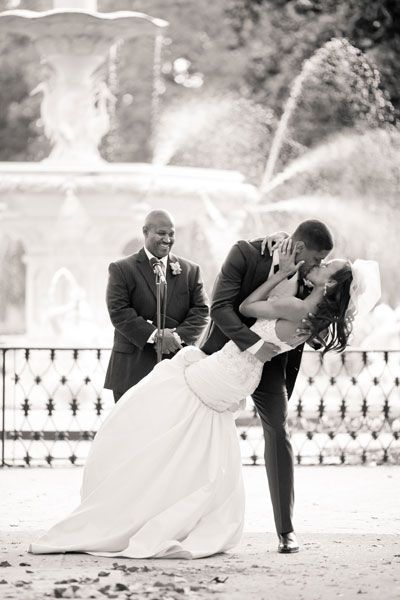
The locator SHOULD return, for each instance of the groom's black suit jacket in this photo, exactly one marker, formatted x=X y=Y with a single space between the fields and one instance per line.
x=244 y=270
x=131 y=302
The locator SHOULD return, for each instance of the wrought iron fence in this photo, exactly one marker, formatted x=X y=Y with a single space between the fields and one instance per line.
x=345 y=408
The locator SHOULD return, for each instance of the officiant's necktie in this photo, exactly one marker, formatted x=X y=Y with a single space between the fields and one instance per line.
x=155 y=261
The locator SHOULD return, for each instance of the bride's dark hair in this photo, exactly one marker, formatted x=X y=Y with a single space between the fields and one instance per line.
x=331 y=312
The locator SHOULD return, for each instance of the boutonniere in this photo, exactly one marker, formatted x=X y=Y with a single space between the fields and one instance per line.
x=175 y=268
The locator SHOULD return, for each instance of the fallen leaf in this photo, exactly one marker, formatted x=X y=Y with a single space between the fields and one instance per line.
x=105 y=589
x=218 y=580
x=22 y=582
x=118 y=567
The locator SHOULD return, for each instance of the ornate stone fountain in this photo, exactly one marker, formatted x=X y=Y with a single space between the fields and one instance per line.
x=73 y=211
x=73 y=45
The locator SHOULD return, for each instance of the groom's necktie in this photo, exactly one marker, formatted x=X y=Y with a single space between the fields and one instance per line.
x=300 y=289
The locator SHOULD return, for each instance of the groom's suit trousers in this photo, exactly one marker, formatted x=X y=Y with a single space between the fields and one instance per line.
x=278 y=455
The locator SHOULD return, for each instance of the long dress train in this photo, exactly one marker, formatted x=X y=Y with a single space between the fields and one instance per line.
x=163 y=476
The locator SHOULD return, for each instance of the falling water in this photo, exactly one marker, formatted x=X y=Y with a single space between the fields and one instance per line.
x=358 y=229
x=158 y=86
x=375 y=150
x=338 y=149
x=227 y=132
x=367 y=81
x=113 y=87
x=181 y=124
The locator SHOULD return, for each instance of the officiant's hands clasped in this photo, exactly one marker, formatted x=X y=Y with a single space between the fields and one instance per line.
x=170 y=342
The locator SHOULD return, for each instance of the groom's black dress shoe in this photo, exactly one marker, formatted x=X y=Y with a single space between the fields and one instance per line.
x=288 y=543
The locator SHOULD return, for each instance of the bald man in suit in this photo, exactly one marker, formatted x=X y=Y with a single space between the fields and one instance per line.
x=131 y=302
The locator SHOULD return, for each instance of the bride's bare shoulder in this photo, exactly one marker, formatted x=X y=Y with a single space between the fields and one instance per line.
x=292 y=309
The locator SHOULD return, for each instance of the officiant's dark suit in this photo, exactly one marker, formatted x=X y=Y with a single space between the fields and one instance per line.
x=243 y=271
x=131 y=301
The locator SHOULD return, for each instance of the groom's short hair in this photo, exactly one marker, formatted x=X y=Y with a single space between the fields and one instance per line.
x=314 y=234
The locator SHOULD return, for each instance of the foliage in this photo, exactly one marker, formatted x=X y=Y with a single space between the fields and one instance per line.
x=248 y=49
x=278 y=36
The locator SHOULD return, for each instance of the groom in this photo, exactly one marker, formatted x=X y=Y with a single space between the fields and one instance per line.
x=245 y=269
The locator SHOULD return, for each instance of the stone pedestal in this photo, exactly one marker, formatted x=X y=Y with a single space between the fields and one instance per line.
x=74 y=222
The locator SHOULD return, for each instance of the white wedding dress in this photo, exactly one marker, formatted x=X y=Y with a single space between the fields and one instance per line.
x=163 y=477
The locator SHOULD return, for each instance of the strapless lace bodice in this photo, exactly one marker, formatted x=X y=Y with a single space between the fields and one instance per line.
x=225 y=378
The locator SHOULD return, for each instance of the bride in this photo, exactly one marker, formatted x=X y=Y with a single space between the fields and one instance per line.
x=163 y=476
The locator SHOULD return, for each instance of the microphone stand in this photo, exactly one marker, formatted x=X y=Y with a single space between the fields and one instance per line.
x=161 y=287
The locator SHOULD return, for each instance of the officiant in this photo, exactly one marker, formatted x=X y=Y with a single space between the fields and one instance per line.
x=132 y=306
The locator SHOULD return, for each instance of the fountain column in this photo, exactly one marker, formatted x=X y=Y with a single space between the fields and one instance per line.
x=74 y=45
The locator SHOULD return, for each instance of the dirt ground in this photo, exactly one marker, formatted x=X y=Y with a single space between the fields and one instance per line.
x=347 y=520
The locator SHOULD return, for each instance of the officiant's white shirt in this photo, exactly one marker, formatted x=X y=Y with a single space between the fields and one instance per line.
x=164 y=259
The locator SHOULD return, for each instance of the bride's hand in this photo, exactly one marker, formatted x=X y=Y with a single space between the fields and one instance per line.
x=287 y=257
x=271 y=242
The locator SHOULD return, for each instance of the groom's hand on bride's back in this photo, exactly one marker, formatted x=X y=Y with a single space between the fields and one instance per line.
x=266 y=352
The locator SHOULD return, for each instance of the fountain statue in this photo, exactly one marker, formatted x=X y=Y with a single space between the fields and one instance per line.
x=69 y=314
x=73 y=45
x=74 y=211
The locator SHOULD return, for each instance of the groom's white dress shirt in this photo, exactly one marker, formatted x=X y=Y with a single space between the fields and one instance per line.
x=287 y=287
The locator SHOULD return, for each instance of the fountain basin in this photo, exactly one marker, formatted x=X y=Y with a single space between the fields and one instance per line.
x=69 y=22
x=79 y=220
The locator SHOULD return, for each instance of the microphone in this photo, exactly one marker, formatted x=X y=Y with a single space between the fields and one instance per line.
x=158 y=270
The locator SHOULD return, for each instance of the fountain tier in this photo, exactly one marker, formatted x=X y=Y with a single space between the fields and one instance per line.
x=79 y=220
